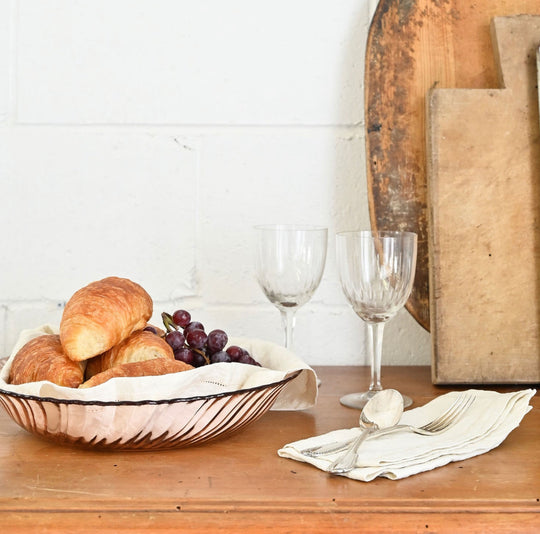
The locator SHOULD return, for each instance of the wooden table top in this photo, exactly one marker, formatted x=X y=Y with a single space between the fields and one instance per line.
x=240 y=484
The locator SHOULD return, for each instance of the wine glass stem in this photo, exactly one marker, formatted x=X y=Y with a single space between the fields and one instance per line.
x=374 y=342
x=289 y=318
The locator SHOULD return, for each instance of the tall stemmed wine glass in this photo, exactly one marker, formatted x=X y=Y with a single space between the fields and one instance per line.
x=289 y=263
x=376 y=270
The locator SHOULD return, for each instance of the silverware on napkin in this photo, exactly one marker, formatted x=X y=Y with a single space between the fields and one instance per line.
x=439 y=424
x=483 y=426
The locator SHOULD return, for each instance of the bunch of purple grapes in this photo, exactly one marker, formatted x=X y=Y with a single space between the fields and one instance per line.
x=191 y=344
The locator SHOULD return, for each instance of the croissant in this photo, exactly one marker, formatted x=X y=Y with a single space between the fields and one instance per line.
x=42 y=358
x=102 y=314
x=139 y=346
x=154 y=367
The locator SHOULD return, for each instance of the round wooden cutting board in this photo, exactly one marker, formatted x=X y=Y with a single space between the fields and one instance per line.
x=413 y=46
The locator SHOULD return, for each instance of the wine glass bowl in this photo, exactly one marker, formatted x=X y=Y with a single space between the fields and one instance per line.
x=376 y=271
x=289 y=263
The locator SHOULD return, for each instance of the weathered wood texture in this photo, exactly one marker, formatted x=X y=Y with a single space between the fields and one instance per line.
x=240 y=484
x=484 y=198
x=414 y=45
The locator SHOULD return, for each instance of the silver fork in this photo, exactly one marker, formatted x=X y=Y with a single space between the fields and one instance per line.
x=439 y=424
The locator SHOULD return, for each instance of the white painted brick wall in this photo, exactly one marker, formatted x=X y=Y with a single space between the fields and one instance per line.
x=145 y=138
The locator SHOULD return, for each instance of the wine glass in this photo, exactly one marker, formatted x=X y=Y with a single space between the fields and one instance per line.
x=376 y=270
x=289 y=263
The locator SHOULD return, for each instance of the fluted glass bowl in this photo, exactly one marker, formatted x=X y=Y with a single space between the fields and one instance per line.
x=141 y=425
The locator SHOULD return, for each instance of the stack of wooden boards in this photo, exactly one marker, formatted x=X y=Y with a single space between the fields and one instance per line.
x=453 y=147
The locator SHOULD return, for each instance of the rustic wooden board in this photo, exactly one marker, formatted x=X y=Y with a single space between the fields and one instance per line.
x=484 y=206
x=414 y=45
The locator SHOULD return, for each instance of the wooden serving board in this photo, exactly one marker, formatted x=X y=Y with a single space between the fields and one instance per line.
x=484 y=206
x=414 y=45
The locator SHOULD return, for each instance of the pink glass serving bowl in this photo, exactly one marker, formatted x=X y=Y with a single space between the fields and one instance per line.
x=141 y=425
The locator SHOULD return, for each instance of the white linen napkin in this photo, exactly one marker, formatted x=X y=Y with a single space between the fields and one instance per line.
x=484 y=426
x=276 y=361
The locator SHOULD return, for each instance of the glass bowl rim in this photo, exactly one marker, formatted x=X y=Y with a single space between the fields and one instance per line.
x=150 y=402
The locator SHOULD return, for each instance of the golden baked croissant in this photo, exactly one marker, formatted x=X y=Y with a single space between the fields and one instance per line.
x=139 y=346
x=154 y=367
x=101 y=315
x=42 y=358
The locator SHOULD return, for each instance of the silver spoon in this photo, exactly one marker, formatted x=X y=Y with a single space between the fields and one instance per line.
x=383 y=410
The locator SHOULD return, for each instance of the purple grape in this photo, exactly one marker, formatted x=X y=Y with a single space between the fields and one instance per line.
x=249 y=361
x=181 y=318
x=235 y=352
x=150 y=329
x=198 y=360
x=247 y=358
x=196 y=338
x=220 y=356
x=184 y=355
x=194 y=325
x=175 y=339
x=217 y=339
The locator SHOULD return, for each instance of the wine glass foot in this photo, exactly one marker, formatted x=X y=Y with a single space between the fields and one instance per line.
x=407 y=401
x=358 y=400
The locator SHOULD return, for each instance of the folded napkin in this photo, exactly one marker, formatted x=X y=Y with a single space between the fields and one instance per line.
x=484 y=426
x=276 y=361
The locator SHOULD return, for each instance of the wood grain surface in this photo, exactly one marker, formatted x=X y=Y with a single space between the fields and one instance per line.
x=484 y=198
x=413 y=46
x=240 y=484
